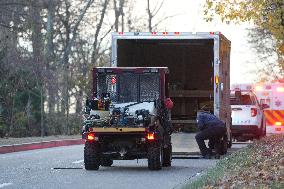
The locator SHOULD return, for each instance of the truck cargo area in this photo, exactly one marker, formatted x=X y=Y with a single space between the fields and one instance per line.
x=190 y=62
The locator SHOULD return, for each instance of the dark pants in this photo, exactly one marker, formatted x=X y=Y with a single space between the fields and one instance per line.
x=213 y=134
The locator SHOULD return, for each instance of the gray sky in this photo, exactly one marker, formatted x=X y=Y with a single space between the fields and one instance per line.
x=190 y=18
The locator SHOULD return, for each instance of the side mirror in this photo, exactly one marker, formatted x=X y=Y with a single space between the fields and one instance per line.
x=264 y=106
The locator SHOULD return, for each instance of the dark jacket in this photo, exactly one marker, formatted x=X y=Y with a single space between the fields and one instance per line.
x=207 y=120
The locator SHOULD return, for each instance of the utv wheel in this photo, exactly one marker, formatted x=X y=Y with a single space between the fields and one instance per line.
x=167 y=156
x=154 y=158
x=91 y=156
x=106 y=162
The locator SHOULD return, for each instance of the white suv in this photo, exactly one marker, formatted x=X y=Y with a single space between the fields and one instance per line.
x=248 y=121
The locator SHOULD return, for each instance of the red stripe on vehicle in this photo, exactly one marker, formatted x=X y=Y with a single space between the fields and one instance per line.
x=273 y=116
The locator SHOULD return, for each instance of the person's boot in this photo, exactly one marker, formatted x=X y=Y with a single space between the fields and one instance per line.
x=208 y=154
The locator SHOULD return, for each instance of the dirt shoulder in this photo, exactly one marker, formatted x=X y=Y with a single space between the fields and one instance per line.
x=259 y=165
x=13 y=141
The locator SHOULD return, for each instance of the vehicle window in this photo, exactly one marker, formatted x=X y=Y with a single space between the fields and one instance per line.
x=234 y=101
x=246 y=100
x=243 y=100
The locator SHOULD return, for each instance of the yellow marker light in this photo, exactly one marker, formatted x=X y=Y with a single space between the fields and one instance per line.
x=216 y=79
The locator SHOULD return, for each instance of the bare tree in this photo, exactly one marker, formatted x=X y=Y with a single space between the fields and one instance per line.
x=118 y=6
x=71 y=35
x=153 y=13
x=98 y=29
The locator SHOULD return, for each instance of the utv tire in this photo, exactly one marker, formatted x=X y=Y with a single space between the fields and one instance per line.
x=167 y=156
x=154 y=157
x=106 y=162
x=91 y=156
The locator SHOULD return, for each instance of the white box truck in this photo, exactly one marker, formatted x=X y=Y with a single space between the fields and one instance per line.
x=199 y=66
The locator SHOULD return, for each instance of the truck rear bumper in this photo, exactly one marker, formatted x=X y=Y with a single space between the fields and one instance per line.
x=246 y=130
x=128 y=156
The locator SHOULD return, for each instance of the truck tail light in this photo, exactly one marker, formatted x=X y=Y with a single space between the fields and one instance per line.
x=253 y=112
x=150 y=136
x=91 y=137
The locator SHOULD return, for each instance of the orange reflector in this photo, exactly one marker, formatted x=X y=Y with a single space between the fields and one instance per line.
x=150 y=136
x=277 y=129
x=91 y=136
x=278 y=123
x=258 y=88
x=280 y=89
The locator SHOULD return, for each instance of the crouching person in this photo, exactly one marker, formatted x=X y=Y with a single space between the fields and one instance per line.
x=210 y=128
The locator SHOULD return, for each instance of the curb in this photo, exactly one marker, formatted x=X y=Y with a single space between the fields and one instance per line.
x=39 y=145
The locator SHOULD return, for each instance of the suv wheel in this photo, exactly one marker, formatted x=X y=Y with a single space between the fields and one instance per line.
x=91 y=156
x=154 y=157
x=167 y=156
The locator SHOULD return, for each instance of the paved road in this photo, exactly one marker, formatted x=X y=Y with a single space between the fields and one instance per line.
x=35 y=169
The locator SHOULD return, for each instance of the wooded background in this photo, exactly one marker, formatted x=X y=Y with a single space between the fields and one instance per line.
x=47 y=50
x=48 y=47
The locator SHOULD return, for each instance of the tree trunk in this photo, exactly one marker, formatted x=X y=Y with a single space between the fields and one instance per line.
x=42 y=128
x=11 y=127
x=150 y=17
x=37 y=45
x=98 y=29
x=79 y=100
x=49 y=55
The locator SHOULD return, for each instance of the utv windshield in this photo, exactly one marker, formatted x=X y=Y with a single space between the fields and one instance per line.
x=129 y=87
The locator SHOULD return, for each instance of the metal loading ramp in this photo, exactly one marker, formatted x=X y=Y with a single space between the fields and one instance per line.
x=186 y=155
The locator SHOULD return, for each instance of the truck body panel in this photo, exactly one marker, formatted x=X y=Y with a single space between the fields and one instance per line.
x=199 y=66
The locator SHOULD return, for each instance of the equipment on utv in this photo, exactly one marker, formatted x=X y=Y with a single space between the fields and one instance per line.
x=128 y=117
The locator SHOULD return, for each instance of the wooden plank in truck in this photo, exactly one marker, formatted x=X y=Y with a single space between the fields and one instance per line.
x=191 y=93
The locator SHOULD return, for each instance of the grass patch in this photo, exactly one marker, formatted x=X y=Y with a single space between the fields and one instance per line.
x=259 y=165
